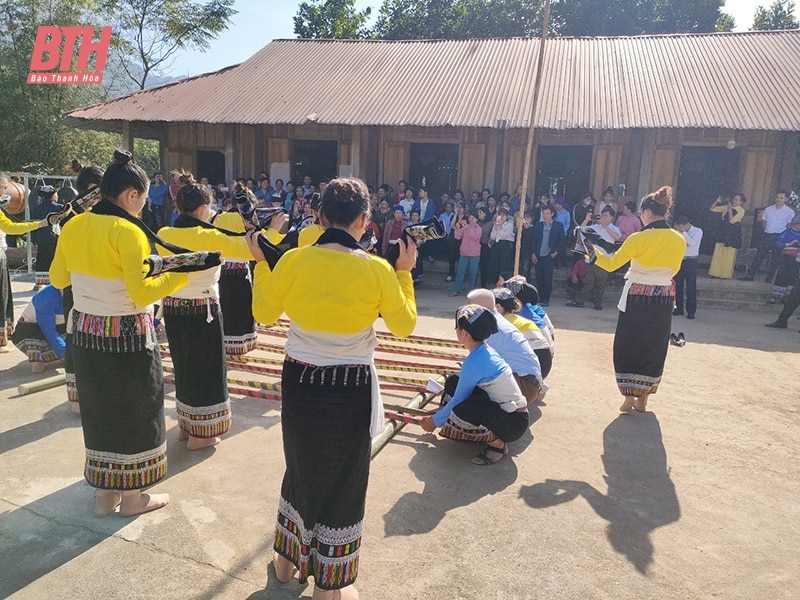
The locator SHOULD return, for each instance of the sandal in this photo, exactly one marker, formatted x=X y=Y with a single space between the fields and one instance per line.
x=483 y=458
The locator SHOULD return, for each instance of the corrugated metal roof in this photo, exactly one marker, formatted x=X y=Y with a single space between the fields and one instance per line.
x=729 y=80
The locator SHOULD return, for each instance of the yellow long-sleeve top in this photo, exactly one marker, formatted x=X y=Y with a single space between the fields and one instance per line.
x=232 y=221
x=335 y=292
x=652 y=248
x=102 y=257
x=738 y=213
x=308 y=236
x=14 y=228
x=203 y=284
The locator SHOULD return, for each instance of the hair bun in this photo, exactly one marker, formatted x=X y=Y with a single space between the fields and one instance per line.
x=663 y=197
x=122 y=157
x=186 y=178
x=343 y=190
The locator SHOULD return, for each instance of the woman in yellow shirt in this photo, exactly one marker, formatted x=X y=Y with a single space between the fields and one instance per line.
x=645 y=319
x=9 y=226
x=117 y=359
x=333 y=292
x=723 y=261
x=193 y=320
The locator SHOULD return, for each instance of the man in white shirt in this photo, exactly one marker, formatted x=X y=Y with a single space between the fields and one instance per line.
x=776 y=219
x=687 y=276
x=597 y=278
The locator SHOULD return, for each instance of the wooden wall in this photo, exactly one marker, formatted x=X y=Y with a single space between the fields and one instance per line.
x=642 y=160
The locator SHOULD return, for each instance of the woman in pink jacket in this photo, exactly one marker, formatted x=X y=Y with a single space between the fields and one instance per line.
x=469 y=232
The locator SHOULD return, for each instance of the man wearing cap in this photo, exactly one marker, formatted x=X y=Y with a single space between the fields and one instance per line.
x=43 y=238
x=485 y=394
x=512 y=347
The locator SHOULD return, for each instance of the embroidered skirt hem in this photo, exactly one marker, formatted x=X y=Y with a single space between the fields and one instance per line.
x=325 y=420
x=642 y=339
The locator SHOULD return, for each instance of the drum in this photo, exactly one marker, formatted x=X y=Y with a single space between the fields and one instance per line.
x=16 y=204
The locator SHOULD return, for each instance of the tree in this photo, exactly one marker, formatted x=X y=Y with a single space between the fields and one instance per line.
x=331 y=19
x=149 y=33
x=780 y=15
x=410 y=19
x=726 y=23
x=457 y=19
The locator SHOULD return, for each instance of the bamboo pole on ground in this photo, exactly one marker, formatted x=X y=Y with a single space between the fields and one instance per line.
x=41 y=384
x=529 y=147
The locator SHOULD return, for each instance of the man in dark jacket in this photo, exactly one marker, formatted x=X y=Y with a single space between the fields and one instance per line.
x=549 y=240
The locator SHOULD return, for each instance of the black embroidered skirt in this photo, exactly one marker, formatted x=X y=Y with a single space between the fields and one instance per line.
x=325 y=421
x=69 y=357
x=28 y=338
x=119 y=374
x=236 y=302
x=642 y=339
x=198 y=355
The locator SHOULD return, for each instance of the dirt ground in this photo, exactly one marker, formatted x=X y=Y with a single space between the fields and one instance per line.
x=695 y=499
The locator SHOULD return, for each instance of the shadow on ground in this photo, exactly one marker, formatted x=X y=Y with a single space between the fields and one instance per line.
x=641 y=496
x=415 y=513
x=38 y=530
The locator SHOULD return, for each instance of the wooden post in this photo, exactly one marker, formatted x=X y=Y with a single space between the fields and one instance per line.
x=529 y=147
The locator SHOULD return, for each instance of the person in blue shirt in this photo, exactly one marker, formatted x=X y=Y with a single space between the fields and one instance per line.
x=485 y=394
x=155 y=197
x=40 y=331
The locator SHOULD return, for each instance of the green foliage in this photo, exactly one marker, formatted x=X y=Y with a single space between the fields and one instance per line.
x=780 y=15
x=725 y=22
x=145 y=153
x=149 y=33
x=331 y=19
x=89 y=147
x=460 y=19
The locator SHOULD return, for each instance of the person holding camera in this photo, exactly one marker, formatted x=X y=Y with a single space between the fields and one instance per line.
x=596 y=278
x=731 y=212
x=468 y=231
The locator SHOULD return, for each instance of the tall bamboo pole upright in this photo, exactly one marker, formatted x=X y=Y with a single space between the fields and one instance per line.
x=529 y=148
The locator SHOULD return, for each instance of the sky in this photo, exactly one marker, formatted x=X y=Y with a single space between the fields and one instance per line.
x=259 y=22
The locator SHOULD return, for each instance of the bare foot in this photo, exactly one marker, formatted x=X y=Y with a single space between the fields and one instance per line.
x=4 y=349
x=182 y=435
x=346 y=593
x=136 y=503
x=76 y=408
x=284 y=569
x=641 y=404
x=196 y=443
x=105 y=502
x=627 y=406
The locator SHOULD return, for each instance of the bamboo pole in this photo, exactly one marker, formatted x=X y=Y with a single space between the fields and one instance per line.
x=529 y=147
x=380 y=363
x=415 y=340
x=392 y=427
x=41 y=384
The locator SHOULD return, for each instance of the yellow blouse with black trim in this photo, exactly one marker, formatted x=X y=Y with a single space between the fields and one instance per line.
x=108 y=247
x=327 y=290
x=658 y=248
x=210 y=240
x=232 y=221
x=738 y=213
x=308 y=236
x=14 y=228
